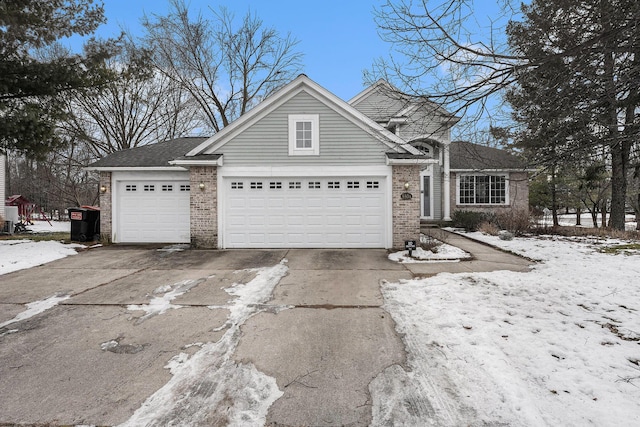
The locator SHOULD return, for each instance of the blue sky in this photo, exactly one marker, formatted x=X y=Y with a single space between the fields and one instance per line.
x=338 y=38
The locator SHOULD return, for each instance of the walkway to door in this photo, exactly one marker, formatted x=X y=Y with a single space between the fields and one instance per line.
x=484 y=257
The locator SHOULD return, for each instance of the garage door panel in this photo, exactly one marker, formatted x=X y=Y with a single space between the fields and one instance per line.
x=152 y=212
x=309 y=212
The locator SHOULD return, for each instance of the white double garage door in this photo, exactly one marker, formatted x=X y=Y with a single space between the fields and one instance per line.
x=263 y=212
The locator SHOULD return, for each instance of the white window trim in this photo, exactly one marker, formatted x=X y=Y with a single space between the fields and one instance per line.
x=507 y=201
x=315 y=134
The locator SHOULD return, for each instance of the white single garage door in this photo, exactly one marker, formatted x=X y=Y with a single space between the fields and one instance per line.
x=153 y=212
x=323 y=212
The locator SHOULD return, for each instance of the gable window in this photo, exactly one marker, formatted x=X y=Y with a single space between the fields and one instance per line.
x=304 y=135
x=482 y=189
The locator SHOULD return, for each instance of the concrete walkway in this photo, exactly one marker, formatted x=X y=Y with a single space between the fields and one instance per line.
x=484 y=257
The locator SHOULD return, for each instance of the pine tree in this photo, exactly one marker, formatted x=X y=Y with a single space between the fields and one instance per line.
x=30 y=82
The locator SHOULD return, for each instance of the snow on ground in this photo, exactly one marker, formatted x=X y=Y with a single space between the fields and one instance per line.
x=36 y=307
x=211 y=376
x=161 y=303
x=444 y=252
x=559 y=345
x=569 y=220
x=39 y=226
x=20 y=254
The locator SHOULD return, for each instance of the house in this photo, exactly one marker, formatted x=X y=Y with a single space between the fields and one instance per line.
x=303 y=169
x=3 y=179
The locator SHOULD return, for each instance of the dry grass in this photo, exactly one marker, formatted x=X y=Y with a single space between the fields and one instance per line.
x=585 y=231
x=489 y=228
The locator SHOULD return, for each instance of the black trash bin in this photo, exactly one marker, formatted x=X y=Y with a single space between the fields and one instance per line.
x=85 y=223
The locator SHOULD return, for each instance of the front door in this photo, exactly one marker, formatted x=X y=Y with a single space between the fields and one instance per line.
x=426 y=196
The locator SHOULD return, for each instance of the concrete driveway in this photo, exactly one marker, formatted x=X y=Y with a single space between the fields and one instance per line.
x=149 y=337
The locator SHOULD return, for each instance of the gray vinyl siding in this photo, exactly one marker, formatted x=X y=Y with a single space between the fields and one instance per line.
x=266 y=141
x=380 y=107
x=424 y=127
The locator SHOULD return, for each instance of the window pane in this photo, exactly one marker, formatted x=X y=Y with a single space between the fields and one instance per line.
x=303 y=135
x=498 y=190
x=482 y=189
x=467 y=186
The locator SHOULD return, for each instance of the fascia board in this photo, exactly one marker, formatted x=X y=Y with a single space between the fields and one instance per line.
x=217 y=162
x=133 y=168
x=391 y=162
x=492 y=170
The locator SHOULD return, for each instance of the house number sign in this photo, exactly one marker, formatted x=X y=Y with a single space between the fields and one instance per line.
x=406 y=196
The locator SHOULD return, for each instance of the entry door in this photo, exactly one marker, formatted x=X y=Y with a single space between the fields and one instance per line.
x=426 y=197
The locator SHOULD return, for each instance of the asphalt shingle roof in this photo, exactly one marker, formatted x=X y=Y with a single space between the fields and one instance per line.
x=469 y=156
x=152 y=155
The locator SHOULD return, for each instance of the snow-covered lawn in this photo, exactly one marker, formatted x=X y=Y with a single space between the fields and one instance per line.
x=20 y=254
x=559 y=345
x=569 y=220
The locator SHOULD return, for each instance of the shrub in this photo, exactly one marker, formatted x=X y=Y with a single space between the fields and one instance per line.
x=489 y=228
x=469 y=220
x=505 y=235
x=518 y=222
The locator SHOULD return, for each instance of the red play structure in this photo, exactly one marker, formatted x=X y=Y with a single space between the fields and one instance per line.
x=25 y=208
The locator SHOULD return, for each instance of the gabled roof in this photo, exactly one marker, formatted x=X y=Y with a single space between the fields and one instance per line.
x=408 y=103
x=300 y=84
x=467 y=156
x=152 y=155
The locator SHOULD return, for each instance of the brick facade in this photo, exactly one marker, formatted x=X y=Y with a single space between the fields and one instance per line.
x=406 y=213
x=518 y=195
x=204 y=206
x=106 y=226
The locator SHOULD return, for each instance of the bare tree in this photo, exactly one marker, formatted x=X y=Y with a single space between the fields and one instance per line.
x=141 y=107
x=440 y=50
x=227 y=68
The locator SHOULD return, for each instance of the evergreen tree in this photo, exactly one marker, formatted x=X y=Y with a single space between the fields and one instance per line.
x=31 y=83
x=579 y=89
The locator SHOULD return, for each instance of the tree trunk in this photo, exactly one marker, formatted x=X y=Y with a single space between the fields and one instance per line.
x=554 y=198
x=578 y=214
x=637 y=212
x=618 y=186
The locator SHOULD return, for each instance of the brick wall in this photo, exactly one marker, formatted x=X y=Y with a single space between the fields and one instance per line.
x=106 y=226
x=204 y=207
x=518 y=195
x=406 y=213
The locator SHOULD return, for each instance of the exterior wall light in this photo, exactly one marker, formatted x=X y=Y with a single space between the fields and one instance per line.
x=103 y=189
x=201 y=186
x=406 y=185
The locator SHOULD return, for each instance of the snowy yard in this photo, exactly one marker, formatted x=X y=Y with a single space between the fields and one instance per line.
x=559 y=345
x=569 y=220
x=21 y=253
